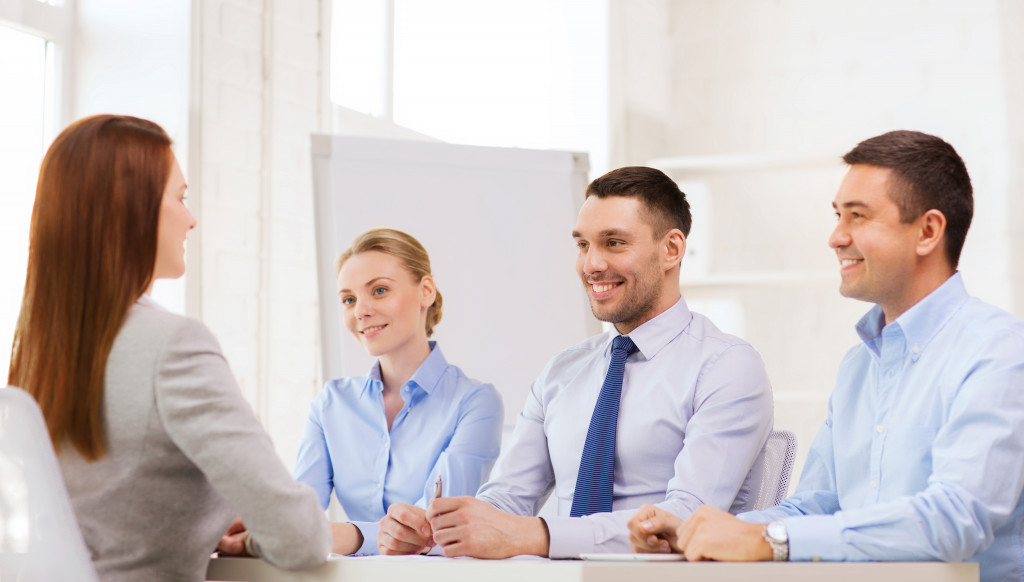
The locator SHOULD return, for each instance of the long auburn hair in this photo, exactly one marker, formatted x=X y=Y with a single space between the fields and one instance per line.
x=92 y=251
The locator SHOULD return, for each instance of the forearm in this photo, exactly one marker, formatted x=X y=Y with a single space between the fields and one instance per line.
x=346 y=538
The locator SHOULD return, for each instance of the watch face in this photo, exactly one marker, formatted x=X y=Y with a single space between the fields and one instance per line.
x=777 y=531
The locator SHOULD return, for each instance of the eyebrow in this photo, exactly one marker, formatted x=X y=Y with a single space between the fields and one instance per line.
x=368 y=283
x=851 y=204
x=603 y=234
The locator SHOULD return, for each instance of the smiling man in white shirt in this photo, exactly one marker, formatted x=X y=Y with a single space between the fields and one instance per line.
x=688 y=429
x=921 y=451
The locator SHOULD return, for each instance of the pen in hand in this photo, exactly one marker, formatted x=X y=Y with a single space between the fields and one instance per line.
x=437 y=488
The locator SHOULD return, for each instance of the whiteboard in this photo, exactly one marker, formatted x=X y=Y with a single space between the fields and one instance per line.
x=497 y=223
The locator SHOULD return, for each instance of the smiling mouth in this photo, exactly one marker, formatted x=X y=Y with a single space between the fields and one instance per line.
x=850 y=262
x=601 y=288
x=372 y=330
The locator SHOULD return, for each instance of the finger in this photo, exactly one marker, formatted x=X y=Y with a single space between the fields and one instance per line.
x=236 y=526
x=231 y=544
x=457 y=549
x=443 y=505
x=404 y=533
x=684 y=532
x=448 y=536
x=390 y=546
x=408 y=515
x=447 y=520
x=406 y=521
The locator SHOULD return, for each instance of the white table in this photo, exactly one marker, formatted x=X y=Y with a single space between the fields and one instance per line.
x=429 y=568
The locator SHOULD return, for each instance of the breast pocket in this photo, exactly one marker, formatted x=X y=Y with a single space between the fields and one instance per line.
x=906 y=460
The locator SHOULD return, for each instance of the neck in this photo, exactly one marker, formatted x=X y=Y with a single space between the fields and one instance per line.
x=398 y=365
x=921 y=286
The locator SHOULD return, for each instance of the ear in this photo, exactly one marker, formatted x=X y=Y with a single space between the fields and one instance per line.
x=931 y=233
x=428 y=291
x=673 y=248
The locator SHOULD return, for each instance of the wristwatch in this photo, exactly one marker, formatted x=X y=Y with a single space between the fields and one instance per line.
x=775 y=534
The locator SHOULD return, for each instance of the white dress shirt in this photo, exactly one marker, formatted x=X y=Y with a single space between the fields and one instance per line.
x=695 y=414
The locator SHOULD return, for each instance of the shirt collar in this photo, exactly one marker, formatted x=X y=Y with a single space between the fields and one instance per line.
x=654 y=334
x=426 y=377
x=922 y=321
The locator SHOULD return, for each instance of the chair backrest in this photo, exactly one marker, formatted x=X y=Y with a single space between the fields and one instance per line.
x=779 y=455
x=39 y=535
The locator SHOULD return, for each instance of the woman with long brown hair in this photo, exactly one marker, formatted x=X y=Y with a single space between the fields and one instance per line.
x=158 y=448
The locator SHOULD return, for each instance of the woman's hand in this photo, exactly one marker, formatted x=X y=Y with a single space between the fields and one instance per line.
x=233 y=542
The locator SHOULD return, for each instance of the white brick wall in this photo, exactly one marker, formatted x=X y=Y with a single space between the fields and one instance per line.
x=260 y=96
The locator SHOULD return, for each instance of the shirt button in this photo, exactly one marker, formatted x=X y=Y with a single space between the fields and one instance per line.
x=881 y=429
x=890 y=373
x=874 y=484
x=916 y=350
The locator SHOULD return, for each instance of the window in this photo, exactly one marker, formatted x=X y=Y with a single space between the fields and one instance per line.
x=23 y=115
x=520 y=73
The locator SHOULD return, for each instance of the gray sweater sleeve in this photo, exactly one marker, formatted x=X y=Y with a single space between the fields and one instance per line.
x=205 y=415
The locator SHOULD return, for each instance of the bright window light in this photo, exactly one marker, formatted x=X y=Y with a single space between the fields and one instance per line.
x=22 y=117
x=359 y=55
x=510 y=73
x=524 y=73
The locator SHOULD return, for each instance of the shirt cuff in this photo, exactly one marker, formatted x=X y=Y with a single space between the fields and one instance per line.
x=815 y=538
x=568 y=537
x=369 y=530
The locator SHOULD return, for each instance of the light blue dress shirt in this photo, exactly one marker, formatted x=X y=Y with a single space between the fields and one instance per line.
x=450 y=425
x=695 y=413
x=921 y=456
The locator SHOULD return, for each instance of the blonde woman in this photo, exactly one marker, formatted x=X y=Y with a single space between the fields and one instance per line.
x=158 y=448
x=386 y=436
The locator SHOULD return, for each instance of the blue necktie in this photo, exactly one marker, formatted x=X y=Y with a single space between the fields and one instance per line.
x=597 y=466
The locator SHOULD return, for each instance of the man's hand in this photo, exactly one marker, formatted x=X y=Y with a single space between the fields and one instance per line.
x=404 y=530
x=652 y=530
x=713 y=534
x=465 y=526
x=233 y=542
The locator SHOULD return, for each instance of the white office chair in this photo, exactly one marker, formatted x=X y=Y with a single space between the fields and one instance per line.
x=39 y=536
x=779 y=455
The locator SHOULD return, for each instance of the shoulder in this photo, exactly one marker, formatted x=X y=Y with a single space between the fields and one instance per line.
x=580 y=355
x=343 y=389
x=979 y=330
x=468 y=389
x=151 y=330
x=703 y=341
x=703 y=331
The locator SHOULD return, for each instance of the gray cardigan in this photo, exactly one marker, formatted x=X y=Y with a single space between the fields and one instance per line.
x=185 y=456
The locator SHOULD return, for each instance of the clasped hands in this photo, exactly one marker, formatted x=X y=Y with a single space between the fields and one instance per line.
x=708 y=534
x=462 y=526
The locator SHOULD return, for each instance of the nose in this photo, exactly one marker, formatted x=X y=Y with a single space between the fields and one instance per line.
x=840 y=236
x=191 y=220
x=363 y=309
x=593 y=261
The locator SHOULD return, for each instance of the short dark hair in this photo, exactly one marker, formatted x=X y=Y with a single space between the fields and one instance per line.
x=664 y=202
x=927 y=174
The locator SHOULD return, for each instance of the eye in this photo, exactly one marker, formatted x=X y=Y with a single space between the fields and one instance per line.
x=582 y=245
x=614 y=243
x=380 y=290
x=348 y=300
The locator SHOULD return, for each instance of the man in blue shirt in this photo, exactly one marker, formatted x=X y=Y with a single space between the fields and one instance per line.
x=921 y=453
x=688 y=427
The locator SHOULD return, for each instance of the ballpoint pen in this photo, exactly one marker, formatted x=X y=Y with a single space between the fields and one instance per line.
x=437 y=488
